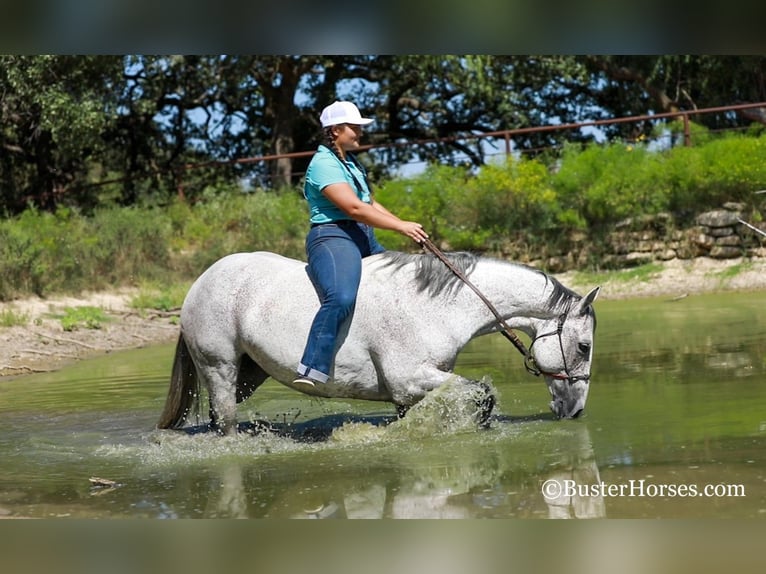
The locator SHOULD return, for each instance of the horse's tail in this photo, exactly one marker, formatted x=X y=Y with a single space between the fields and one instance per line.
x=184 y=389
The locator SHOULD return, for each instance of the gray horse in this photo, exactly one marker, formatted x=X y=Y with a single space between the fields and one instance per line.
x=246 y=318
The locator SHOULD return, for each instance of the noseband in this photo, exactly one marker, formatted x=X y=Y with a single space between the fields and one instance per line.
x=529 y=361
x=531 y=366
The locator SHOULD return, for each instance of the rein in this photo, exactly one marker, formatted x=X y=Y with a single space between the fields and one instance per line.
x=505 y=330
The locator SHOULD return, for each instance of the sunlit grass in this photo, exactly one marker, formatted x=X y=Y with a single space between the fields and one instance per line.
x=160 y=297
x=11 y=318
x=642 y=273
x=82 y=317
x=733 y=270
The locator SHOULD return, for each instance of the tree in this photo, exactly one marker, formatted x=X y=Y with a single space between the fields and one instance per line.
x=96 y=129
x=458 y=96
x=636 y=85
x=53 y=111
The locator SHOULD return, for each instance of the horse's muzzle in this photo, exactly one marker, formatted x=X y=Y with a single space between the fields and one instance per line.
x=562 y=412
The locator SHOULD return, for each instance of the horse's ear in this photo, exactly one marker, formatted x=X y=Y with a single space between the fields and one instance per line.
x=588 y=300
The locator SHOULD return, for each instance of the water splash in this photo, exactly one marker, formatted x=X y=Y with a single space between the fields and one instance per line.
x=451 y=408
x=170 y=448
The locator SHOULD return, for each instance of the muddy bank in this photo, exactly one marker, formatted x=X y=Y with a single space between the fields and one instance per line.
x=42 y=343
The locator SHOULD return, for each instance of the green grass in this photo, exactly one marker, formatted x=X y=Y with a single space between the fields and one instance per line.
x=162 y=298
x=82 y=317
x=734 y=270
x=11 y=318
x=642 y=273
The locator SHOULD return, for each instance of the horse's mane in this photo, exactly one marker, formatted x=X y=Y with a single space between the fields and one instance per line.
x=435 y=277
x=431 y=274
x=561 y=296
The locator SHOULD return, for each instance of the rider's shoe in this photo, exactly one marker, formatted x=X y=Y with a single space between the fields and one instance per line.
x=306 y=381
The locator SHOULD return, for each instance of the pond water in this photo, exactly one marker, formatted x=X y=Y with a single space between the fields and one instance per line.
x=675 y=427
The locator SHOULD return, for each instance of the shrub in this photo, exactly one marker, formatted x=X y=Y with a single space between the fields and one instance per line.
x=441 y=200
x=517 y=205
x=521 y=208
x=84 y=316
x=608 y=183
x=235 y=222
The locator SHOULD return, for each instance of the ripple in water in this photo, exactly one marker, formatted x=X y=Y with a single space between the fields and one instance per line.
x=449 y=409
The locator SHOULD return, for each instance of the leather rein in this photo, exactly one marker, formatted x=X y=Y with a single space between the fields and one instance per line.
x=529 y=361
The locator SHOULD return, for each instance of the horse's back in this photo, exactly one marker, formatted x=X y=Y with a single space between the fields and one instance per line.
x=236 y=283
x=230 y=272
x=254 y=261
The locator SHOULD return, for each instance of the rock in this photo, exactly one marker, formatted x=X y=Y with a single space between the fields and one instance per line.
x=703 y=241
x=734 y=206
x=677 y=234
x=667 y=255
x=730 y=240
x=685 y=252
x=725 y=252
x=721 y=231
x=644 y=246
x=638 y=258
x=718 y=218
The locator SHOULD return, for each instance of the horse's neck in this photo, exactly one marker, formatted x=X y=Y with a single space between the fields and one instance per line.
x=518 y=293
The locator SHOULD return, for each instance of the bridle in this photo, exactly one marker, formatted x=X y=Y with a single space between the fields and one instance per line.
x=529 y=361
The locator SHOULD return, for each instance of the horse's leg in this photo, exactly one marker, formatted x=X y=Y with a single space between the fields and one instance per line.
x=485 y=403
x=250 y=377
x=484 y=399
x=221 y=382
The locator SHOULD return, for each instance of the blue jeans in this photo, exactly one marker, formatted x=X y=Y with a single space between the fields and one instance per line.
x=335 y=252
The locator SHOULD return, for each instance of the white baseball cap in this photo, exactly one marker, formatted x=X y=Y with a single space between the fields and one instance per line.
x=342 y=113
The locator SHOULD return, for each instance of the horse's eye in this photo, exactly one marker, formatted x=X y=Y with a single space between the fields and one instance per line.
x=584 y=348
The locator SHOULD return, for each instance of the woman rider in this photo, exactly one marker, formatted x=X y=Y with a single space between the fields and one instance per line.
x=343 y=214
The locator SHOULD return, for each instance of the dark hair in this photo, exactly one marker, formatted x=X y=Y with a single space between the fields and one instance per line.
x=331 y=143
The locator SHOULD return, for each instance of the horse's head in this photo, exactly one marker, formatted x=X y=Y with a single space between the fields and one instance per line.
x=562 y=351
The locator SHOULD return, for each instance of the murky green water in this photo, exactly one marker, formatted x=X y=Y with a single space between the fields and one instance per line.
x=677 y=405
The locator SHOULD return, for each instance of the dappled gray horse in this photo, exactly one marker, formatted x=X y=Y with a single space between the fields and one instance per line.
x=246 y=318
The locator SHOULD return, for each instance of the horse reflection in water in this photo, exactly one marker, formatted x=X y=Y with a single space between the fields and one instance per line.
x=577 y=471
x=486 y=482
x=248 y=316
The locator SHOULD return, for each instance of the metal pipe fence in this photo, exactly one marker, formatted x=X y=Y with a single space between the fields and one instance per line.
x=755 y=111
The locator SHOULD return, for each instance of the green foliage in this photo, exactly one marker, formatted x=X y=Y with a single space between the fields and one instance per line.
x=67 y=251
x=641 y=273
x=505 y=204
x=42 y=252
x=87 y=130
x=228 y=221
x=734 y=167
x=609 y=183
x=521 y=209
x=440 y=199
x=11 y=318
x=674 y=132
x=523 y=205
x=54 y=112
x=160 y=297
x=82 y=317
x=515 y=203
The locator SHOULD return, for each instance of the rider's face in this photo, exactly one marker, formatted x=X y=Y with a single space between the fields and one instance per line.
x=347 y=136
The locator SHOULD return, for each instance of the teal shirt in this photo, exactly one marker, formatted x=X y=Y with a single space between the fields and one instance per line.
x=325 y=169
